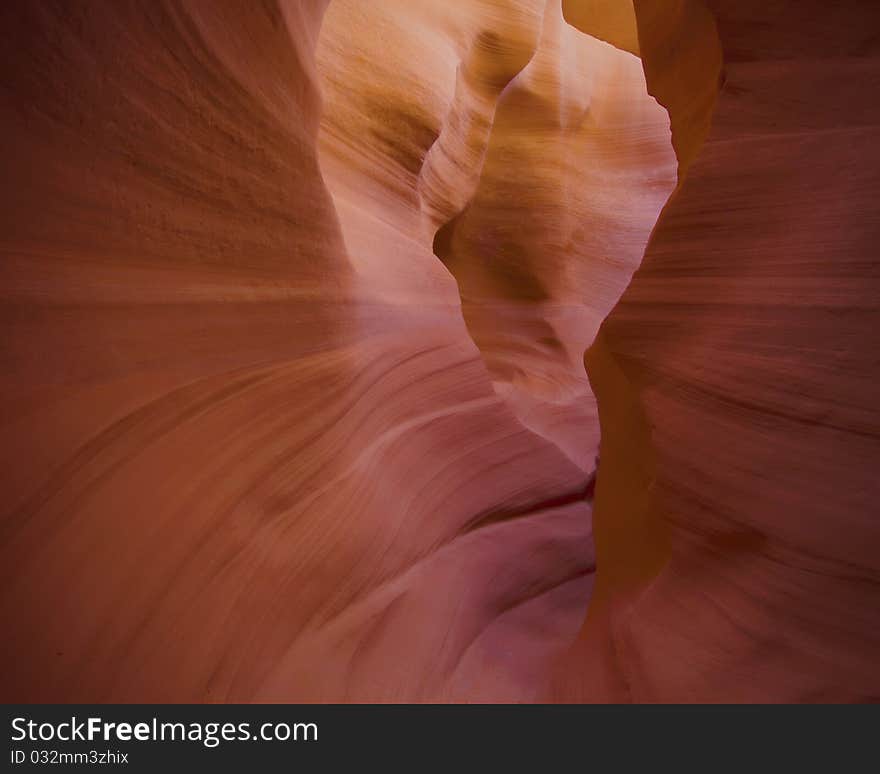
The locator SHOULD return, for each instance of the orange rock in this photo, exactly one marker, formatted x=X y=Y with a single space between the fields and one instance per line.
x=742 y=358
x=296 y=297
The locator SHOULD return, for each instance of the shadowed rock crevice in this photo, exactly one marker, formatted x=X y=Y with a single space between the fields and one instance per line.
x=571 y=181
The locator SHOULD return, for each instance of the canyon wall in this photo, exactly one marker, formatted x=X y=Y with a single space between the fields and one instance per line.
x=251 y=450
x=295 y=300
x=736 y=515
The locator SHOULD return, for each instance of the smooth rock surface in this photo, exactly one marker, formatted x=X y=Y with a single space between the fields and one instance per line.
x=736 y=515
x=295 y=299
x=251 y=450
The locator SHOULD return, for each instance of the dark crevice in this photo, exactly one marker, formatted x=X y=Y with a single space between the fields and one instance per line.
x=583 y=494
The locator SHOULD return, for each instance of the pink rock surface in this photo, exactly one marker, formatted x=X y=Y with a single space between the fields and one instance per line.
x=250 y=450
x=296 y=297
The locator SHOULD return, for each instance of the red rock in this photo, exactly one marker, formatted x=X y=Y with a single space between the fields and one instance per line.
x=295 y=305
x=736 y=514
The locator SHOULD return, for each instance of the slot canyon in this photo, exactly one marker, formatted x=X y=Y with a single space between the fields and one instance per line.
x=486 y=351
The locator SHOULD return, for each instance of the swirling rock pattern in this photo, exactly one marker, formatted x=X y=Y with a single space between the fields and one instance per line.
x=736 y=515
x=295 y=300
x=250 y=448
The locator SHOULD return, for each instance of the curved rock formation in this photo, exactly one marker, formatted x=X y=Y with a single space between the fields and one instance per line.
x=251 y=450
x=296 y=296
x=736 y=513
x=534 y=170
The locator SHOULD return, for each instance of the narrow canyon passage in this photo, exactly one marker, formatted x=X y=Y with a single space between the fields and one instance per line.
x=265 y=420
x=527 y=157
x=305 y=304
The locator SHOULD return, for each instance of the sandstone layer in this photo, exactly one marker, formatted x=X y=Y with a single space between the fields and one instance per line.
x=296 y=296
x=251 y=450
x=736 y=516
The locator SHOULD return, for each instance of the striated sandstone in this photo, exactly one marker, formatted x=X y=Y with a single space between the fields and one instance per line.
x=296 y=296
x=736 y=514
